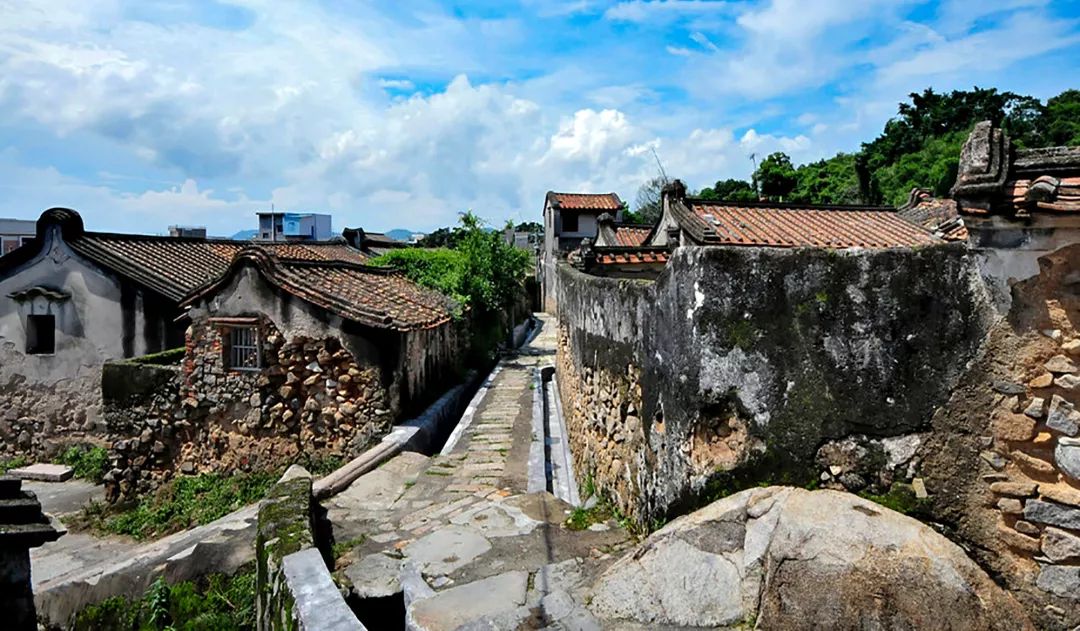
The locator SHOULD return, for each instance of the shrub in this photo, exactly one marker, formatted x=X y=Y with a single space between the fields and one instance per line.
x=89 y=463
x=214 y=603
x=440 y=269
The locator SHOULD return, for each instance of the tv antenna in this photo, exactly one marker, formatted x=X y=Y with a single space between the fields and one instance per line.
x=663 y=173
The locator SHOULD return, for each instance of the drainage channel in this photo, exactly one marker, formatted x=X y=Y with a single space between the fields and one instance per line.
x=551 y=467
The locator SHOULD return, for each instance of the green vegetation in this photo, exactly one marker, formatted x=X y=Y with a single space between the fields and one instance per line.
x=920 y=147
x=441 y=269
x=341 y=548
x=170 y=357
x=582 y=518
x=215 y=603
x=13 y=463
x=900 y=498
x=89 y=463
x=182 y=503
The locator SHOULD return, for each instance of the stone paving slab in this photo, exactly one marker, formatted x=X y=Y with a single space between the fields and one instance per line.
x=44 y=472
x=488 y=554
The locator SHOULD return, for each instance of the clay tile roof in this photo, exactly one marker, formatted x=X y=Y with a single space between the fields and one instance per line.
x=632 y=235
x=642 y=256
x=795 y=225
x=375 y=296
x=585 y=201
x=175 y=266
x=170 y=266
x=938 y=215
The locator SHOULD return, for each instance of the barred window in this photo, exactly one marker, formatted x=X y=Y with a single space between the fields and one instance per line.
x=243 y=349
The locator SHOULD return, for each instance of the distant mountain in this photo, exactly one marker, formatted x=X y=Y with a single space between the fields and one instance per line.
x=245 y=235
x=401 y=234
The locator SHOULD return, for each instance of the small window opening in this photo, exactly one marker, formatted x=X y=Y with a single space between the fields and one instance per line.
x=570 y=223
x=243 y=349
x=40 y=334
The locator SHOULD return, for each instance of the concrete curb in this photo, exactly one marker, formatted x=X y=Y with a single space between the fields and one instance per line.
x=413 y=435
x=537 y=462
x=318 y=605
x=562 y=462
x=470 y=411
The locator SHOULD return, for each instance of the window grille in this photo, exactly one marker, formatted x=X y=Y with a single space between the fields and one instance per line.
x=244 y=349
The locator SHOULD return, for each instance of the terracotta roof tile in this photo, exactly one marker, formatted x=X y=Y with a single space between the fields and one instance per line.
x=175 y=266
x=793 y=225
x=631 y=257
x=938 y=215
x=374 y=296
x=585 y=201
x=632 y=235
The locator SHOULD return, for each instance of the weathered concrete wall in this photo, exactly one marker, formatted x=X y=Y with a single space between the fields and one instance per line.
x=739 y=363
x=48 y=400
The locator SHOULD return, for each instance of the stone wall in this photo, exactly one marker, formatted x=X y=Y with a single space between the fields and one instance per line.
x=738 y=364
x=312 y=397
x=284 y=527
x=51 y=400
x=1002 y=463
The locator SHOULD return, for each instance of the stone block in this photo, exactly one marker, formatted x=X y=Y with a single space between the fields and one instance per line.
x=1012 y=427
x=1068 y=382
x=1061 y=494
x=1016 y=540
x=1014 y=489
x=1060 y=364
x=1010 y=506
x=1053 y=514
x=1035 y=408
x=1060 y=581
x=1059 y=546
x=1062 y=416
x=1042 y=381
x=1036 y=465
x=1067 y=457
x=1026 y=527
x=44 y=472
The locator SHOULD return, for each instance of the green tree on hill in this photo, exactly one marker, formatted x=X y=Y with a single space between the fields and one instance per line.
x=775 y=177
x=730 y=190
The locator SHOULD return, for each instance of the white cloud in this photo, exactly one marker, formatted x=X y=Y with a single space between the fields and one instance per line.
x=651 y=10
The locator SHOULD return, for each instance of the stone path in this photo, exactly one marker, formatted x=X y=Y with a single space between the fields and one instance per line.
x=465 y=522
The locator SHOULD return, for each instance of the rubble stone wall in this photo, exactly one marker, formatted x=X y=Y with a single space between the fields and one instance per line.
x=1002 y=464
x=738 y=364
x=324 y=389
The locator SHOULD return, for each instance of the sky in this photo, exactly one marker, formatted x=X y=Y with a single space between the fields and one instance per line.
x=142 y=114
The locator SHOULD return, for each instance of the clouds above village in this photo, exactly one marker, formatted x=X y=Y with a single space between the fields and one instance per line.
x=141 y=114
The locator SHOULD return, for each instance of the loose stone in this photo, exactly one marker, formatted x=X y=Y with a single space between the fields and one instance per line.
x=1035 y=408
x=1042 y=381
x=1060 y=364
x=1060 y=581
x=1014 y=489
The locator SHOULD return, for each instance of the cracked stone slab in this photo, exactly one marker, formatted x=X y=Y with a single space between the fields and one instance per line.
x=447 y=549
x=375 y=576
x=491 y=603
x=496 y=519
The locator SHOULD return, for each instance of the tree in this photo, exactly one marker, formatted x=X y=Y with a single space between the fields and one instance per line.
x=1061 y=120
x=532 y=227
x=775 y=177
x=441 y=238
x=649 y=204
x=832 y=181
x=730 y=190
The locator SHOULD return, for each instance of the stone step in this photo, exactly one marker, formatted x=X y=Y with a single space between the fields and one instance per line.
x=20 y=510
x=9 y=485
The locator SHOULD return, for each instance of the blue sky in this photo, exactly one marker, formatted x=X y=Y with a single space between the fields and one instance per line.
x=143 y=114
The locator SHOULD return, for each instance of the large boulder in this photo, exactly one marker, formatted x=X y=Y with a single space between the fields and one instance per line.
x=787 y=558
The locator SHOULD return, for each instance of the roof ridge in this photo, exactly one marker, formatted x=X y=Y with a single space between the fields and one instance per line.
x=786 y=205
